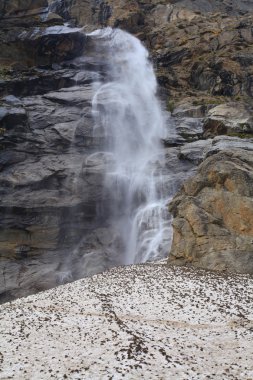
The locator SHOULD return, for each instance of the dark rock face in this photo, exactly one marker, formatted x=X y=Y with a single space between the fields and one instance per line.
x=48 y=203
x=9 y=8
x=51 y=165
x=213 y=214
x=50 y=189
x=41 y=47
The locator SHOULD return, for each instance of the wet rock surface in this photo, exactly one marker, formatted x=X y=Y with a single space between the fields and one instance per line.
x=51 y=164
x=199 y=326
x=49 y=195
x=48 y=201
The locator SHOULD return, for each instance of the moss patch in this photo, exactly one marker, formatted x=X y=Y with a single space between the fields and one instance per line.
x=4 y=73
x=170 y=105
x=212 y=101
x=241 y=135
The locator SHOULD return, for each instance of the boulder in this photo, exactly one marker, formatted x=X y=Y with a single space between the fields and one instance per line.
x=199 y=150
x=213 y=214
x=186 y=109
x=10 y=117
x=195 y=151
x=71 y=96
x=230 y=118
x=221 y=143
x=189 y=128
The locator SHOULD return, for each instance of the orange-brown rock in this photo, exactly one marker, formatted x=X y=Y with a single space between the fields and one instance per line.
x=205 y=47
x=213 y=215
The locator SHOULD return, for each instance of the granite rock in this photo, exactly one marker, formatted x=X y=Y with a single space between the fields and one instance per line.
x=213 y=214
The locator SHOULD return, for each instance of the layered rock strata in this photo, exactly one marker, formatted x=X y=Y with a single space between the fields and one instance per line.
x=50 y=188
x=52 y=163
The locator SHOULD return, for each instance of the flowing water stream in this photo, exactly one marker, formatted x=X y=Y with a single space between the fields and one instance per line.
x=128 y=114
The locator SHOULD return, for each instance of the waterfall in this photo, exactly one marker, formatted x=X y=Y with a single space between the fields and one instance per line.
x=129 y=116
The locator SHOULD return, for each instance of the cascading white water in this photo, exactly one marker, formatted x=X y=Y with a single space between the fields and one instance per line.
x=129 y=116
